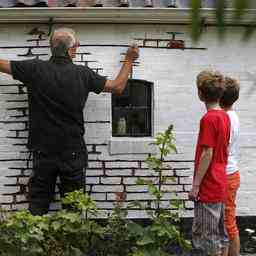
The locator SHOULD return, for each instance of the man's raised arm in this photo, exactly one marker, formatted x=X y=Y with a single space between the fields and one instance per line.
x=117 y=86
x=5 y=67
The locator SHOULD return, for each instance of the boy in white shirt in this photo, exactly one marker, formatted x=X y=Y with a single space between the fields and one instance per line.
x=230 y=96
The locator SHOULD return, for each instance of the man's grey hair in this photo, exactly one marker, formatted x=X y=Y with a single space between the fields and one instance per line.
x=61 y=40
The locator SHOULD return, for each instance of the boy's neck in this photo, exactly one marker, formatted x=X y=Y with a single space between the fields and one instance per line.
x=227 y=108
x=212 y=105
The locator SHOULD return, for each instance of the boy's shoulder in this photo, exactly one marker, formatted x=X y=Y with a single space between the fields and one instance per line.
x=232 y=113
x=214 y=115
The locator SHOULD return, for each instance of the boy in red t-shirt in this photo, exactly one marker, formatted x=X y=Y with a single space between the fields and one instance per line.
x=209 y=189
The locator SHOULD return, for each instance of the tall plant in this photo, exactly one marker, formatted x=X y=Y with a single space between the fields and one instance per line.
x=164 y=232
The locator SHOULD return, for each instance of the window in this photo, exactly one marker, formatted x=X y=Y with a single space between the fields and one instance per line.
x=132 y=110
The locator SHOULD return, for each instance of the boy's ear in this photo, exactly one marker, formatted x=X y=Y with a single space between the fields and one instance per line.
x=200 y=95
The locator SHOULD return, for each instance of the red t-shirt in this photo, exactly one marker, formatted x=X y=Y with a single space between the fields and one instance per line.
x=214 y=133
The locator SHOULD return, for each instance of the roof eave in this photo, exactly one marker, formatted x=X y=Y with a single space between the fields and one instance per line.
x=117 y=15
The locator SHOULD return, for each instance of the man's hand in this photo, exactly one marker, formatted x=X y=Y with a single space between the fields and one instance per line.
x=117 y=86
x=193 y=194
x=132 y=53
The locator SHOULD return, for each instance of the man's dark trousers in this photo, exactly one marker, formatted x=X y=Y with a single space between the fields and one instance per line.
x=68 y=166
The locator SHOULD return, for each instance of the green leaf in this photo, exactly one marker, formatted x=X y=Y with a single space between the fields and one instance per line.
x=240 y=7
x=249 y=30
x=135 y=229
x=82 y=202
x=141 y=181
x=154 y=163
x=56 y=225
x=196 y=20
x=173 y=148
x=176 y=203
x=75 y=252
x=136 y=204
x=147 y=239
x=220 y=16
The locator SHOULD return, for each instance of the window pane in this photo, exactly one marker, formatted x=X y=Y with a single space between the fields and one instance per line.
x=131 y=111
x=139 y=94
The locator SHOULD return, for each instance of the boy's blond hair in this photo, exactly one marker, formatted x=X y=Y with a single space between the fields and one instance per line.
x=211 y=85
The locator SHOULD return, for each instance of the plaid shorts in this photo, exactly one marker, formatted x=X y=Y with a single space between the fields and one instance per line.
x=208 y=231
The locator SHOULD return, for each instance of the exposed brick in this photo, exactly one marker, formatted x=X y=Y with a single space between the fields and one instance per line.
x=186 y=180
x=23 y=206
x=95 y=164
x=171 y=180
x=6 y=207
x=8 y=181
x=105 y=205
x=133 y=180
x=21 y=198
x=11 y=155
x=9 y=189
x=113 y=188
x=119 y=172
x=94 y=172
x=168 y=173
x=23 y=134
x=172 y=188
x=183 y=173
x=89 y=148
x=137 y=214
x=167 y=165
x=169 y=196
x=98 y=196
x=164 y=205
x=119 y=164
x=92 y=157
x=9 y=172
x=55 y=206
x=103 y=214
x=92 y=180
x=189 y=204
x=144 y=173
x=136 y=188
x=186 y=213
x=112 y=180
x=187 y=187
x=23 y=180
x=6 y=199
x=139 y=196
x=28 y=172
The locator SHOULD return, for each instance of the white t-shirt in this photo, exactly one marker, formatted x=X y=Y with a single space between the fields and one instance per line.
x=232 y=165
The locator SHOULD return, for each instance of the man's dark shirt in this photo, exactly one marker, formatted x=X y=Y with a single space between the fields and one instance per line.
x=57 y=93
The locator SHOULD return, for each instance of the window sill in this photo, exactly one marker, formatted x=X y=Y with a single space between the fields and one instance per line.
x=131 y=145
x=114 y=15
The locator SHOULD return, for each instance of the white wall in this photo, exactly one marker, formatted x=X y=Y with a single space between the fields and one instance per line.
x=175 y=102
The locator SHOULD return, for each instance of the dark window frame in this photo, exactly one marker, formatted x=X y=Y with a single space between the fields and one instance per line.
x=136 y=112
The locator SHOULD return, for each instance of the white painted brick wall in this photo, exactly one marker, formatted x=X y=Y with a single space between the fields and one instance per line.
x=173 y=73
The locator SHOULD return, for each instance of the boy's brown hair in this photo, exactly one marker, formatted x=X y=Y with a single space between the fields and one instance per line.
x=210 y=85
x=231 y=93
